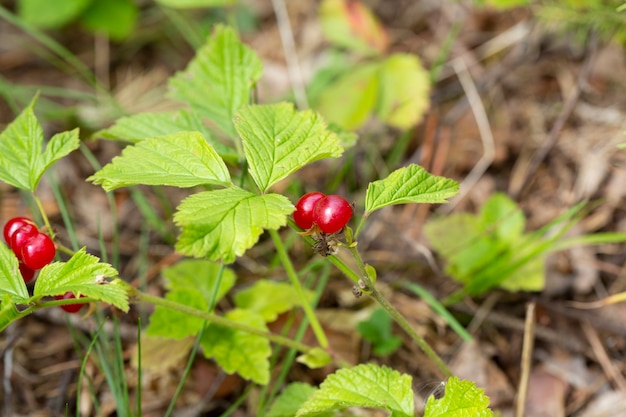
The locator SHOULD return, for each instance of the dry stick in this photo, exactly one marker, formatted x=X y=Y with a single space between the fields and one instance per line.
x=602 y=357
x=289 y=48
x=486 y=136
x=568 y=108
x=527 y=350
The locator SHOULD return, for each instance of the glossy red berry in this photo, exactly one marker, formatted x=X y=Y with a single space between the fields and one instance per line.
x=13 y=226
x=70 y=308
x=303 y=216
x=20 y=236
x=38 y=251
x=27 y=273
x=332 y=213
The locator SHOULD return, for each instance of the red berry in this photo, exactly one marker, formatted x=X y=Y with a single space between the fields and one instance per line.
x=38 y=251
x=303 y=216
x=26 y=272
x=20 y=236
x=70 y=308
x=13 y=225
x=332 y=213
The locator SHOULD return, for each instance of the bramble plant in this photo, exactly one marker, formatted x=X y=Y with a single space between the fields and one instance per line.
x=232 y=168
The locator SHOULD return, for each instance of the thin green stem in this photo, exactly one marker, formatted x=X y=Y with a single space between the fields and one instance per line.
x=219 y=321
x=295 y=282
x=46 y=221
x=395 y=314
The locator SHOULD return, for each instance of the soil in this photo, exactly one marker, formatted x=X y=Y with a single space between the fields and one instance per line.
x=519 y=108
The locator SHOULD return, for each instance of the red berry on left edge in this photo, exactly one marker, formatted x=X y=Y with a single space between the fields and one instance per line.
x=303 y=216
x=38 y=251
x=13 y=226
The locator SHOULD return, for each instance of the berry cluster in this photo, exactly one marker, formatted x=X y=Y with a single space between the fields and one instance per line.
x=329 y=213
x=32 y=248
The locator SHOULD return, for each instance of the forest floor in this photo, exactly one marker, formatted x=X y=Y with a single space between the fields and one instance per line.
x=518 y=109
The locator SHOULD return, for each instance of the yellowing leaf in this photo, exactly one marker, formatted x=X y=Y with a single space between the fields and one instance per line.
x=404 y=91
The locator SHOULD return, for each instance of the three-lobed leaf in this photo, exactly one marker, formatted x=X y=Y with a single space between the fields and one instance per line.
x=238 y=351
x=182 y=159
x=223 y=224
x=269 y=298
x=11 y=281
x=83 y=274
x=364 y=385
x=461 y=399
x=410 y=184
x=24 y=158
x=218 y=81
x=278 y=140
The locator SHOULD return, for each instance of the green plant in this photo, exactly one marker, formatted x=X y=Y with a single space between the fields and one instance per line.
x=377 y=330
x=231 y=167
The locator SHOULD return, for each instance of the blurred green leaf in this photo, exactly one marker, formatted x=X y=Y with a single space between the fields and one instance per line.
x=269 y=298
x=172 y=324
x=116 y=18
x=200 y=276
x=193 y=4
x=46 y=14
x=290 y=400
x=11 y=281
x=315 y=358
x=377 y=330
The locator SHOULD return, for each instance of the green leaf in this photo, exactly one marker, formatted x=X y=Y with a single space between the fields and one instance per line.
x=8 y=311
x=502 y=215
x=411 y=184
x=238 y=351
x=462 y=399
x=23 y=163
x=377 y=330
x=351 y=99
x=174 y=324
x=83 y=274
x=150 y=125
x=404 y=91
x=269 y=298
x=11 y=281
x=191 y=4
x=46 y=14
x=315 y=358
x=223 y=224
x=189 y=282
x=116 y=18
x=218 y=81
x=289 y=401
x=278 y=140
x=182 y=159
x=352 y=25
x=368 y=386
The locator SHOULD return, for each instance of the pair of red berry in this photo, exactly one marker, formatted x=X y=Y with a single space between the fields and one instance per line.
x=34 y=250
x=330 y=213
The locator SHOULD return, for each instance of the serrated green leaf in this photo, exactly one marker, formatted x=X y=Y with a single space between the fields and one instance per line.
x=238 y=351
x=315 y=358
x=182 y=159
x=8 y=311
x=461 y=399
x=200 y=276
x=269 y=298
x=116 y=18
x=218 y=81
x=48 y=14
x=11 y=281
x=289 y=401
x=23 y=163
x=172 y=324
x=411 y=184
x=223 y=224
x=278 y=140
x=82 y=274
x=368 y=386
x=191 y=4
x=404 y=91
x=351 y=99
x=143 y=126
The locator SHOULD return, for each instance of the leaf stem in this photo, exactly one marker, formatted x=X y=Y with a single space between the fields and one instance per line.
x=295 y=282
x=46 y=221
x=395 y=314
x=220 y=321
